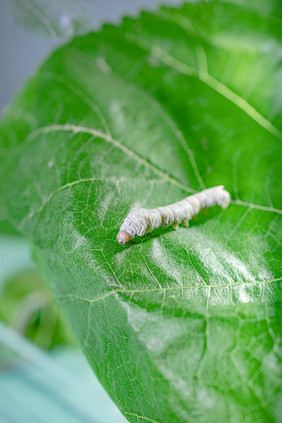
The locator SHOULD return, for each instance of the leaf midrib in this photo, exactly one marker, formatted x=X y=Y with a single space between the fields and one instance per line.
x=165 y=177
x=165 y=289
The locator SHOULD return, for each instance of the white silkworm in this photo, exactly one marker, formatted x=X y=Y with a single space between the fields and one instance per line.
x=142 y=221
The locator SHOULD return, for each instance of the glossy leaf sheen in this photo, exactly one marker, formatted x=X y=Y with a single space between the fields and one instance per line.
x=180 y=326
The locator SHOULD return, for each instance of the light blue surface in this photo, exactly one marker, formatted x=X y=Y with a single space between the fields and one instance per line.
x=14 y=257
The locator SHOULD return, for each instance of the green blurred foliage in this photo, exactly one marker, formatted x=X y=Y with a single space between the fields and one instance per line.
x=7 y=229
x=28 y=306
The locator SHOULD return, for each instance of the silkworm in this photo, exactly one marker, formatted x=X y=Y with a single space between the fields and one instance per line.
x=142 y=221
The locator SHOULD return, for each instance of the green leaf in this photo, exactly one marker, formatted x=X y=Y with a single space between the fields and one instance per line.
x=179 y=326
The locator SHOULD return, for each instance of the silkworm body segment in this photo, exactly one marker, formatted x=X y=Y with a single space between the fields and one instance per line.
x=142 y=221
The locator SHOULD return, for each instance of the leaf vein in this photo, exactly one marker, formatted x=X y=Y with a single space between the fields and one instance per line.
x=152 y=290
x=209 y=80
x=139 y=417
x=76 y=129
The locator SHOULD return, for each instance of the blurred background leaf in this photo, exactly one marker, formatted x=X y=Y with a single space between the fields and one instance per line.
x=61 y=18
x=7 y=228
x=28 y=306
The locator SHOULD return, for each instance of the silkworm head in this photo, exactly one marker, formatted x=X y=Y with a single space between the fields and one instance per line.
x=123 y=237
